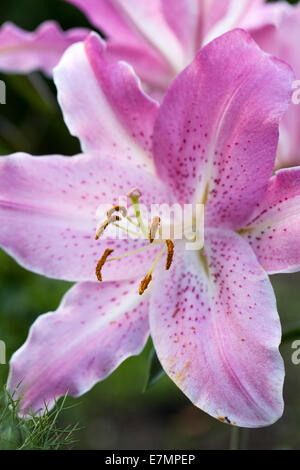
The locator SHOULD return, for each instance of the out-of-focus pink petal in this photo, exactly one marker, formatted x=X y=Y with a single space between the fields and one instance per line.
x=160 y=37
x=251 y=15
x=50 y=208
x=186 y=18
x=282 y=41
x=258 y=14
x=95 y=328
x=157 y=37
x=224 y=16
x=218 y=114
x=274 y=228
x=216 y=332
x=104 y=105
x=22 y=51
x=213 y=12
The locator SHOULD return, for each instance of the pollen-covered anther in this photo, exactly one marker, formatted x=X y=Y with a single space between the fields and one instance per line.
x=153 y=228
x=101 y=263
x=106 y=223
x=145 y=283
x=170 y=255
x=114 y=209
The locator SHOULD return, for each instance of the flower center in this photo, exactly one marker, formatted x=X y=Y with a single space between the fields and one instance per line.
x=153 y=233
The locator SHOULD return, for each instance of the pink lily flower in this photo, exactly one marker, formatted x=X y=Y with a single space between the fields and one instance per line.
x=283 y=42
x=158 y=38
x=212 y=316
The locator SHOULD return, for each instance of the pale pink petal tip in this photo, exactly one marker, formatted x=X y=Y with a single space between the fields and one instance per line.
x=23 y=51
x=96 y=327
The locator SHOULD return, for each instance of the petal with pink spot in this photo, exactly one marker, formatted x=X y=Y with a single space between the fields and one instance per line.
x=274 y=229
x=50 y=208
x=95 y=328
x=216 y=134
x=216 y=330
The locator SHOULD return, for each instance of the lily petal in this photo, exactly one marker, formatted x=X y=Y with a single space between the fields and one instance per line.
x=50 y=208
x=95 y=328
x=280 y=41
x=274 y=229
x=251 y=15
x=22 y=51
x=216 y=332
x=144 y=34
x=186 y=19
x=159 y=38
x=104 y=105
x=220 y=112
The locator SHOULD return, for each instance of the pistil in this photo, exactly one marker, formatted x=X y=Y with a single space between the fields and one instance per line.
x=134 y=195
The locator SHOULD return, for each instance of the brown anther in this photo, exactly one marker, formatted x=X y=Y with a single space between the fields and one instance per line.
x=134 y=193
x=170 y=246
x=145 y=283
x=153 y=229
x=114 y=209
x=101 y=230
x=113 y=218
x=106 y=223
x=101 y=263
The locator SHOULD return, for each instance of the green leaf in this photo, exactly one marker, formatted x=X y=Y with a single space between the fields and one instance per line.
x=36 y=432
x=155 y=370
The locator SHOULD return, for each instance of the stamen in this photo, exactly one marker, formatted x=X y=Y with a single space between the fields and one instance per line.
x=106 y=223
x=114 y=209
x=129 y=253
x=145 y=283
x=150 y=234
x=170 y=246
x=101 y=263
x=153 y=229
x=137 y=235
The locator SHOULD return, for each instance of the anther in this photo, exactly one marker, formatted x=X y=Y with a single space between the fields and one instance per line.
x=106 y=223
x=145 y=283
x=114 y=209
x=170 y=246
x=101 y=263
x=153 y=229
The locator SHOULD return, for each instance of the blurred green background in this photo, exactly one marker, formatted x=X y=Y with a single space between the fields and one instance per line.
x=116 y=414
